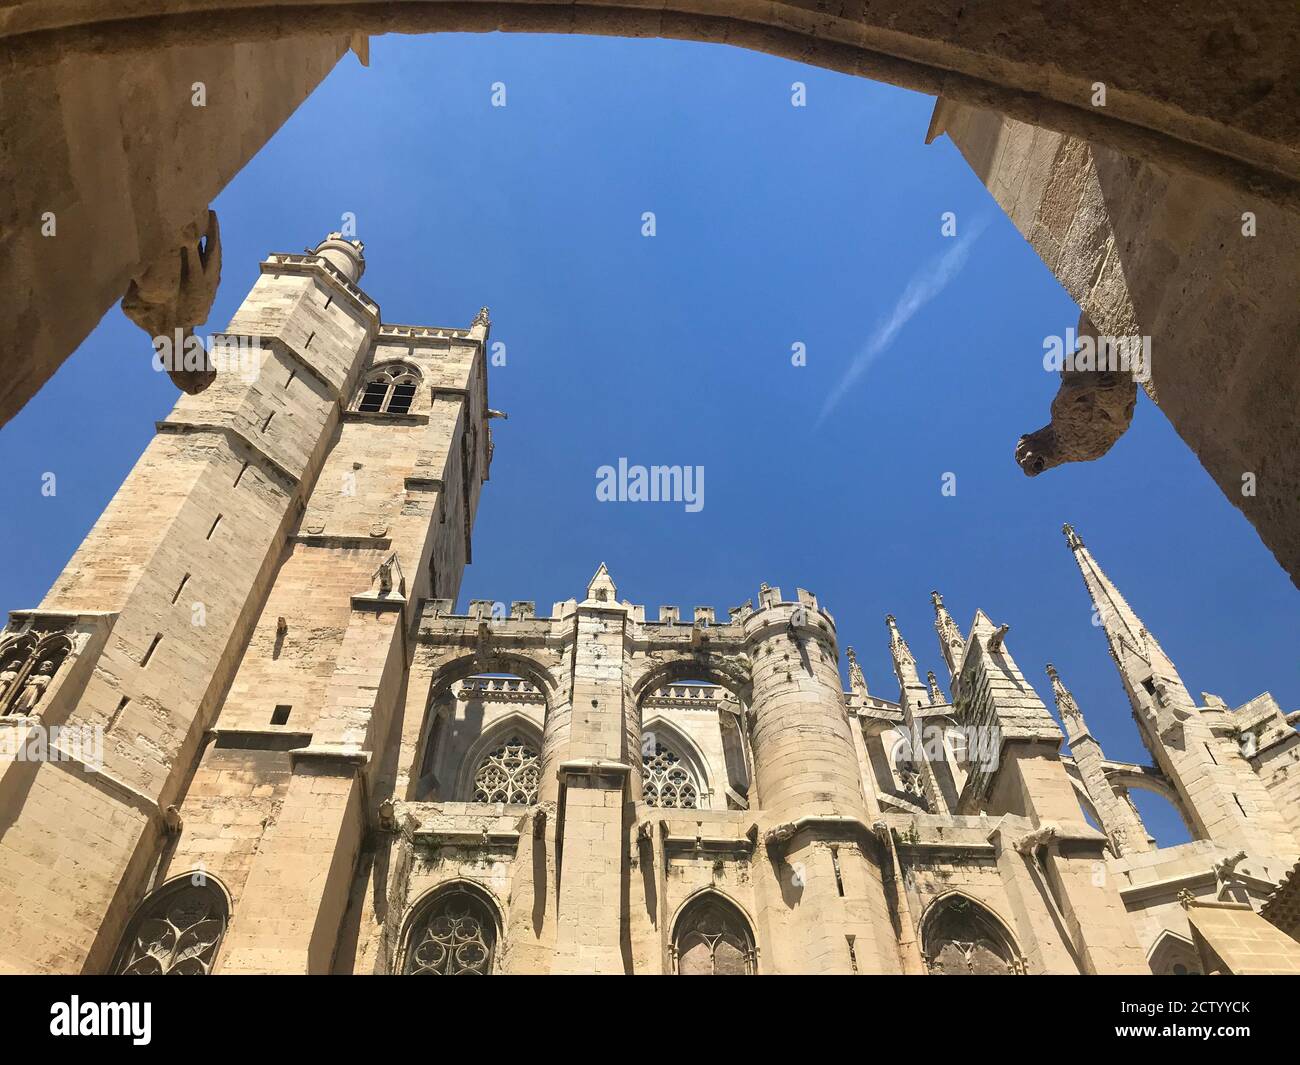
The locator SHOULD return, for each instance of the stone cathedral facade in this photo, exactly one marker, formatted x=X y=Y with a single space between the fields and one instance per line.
x=254 y=736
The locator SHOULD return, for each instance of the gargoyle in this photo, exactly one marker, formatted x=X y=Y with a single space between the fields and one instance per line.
x=1090 y=412
x=176 y=292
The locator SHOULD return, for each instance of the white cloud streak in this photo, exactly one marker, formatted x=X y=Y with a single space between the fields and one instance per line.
x=920 y=290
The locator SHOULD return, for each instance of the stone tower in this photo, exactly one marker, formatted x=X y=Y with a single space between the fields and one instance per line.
x=234 y=627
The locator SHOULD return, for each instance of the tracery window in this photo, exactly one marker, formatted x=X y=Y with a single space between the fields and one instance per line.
x=176 y=932
x=665 y=780
x=713 y=939
x=455 y=935
x=389 y=390
x=961 y=938
x=508 y=773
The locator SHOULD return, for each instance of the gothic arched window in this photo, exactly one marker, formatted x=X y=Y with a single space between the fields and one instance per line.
x=454 y=934
x=713 y=939
x=389 y=389
x=508 y=773
x=665 y=779
x=961 y=938
x=177 y=931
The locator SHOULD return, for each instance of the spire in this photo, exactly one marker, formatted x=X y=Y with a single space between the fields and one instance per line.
x=1124 y=629
x=857 y=681
x=936 y=696
x=1066 y=706
x=1154 y=686
x=909 y=683
x=951 y=642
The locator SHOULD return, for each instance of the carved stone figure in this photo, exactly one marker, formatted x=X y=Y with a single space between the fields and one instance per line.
x=1091 y=411
x=34 y=689
x=176 y=292
x=8 y=675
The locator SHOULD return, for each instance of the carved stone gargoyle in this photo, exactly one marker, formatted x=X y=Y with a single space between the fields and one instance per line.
x=176 y=291
x=1091 y=410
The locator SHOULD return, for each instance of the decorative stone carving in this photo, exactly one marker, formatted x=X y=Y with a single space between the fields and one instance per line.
x=29 y=663
x=1091 y=411
x=176 y=292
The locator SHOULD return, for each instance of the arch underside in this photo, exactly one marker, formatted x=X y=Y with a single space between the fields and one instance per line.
x=1164 y=102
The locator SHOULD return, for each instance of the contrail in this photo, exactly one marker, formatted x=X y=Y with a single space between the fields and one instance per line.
x=923 y=287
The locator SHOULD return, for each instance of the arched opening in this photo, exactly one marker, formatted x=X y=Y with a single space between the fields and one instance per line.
x=453 y=932
x=1174 y=955
x=712 y=937
x=693 y=724
x=177 y=930
x=472 y=716
x=1162 y=817
x=959 y=937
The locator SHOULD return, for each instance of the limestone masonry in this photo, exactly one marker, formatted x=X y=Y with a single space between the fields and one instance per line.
x=246 y=732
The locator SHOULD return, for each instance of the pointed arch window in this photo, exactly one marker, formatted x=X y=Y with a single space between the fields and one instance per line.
x=961 y=938
x=665 y=779
x=177 y=931
x=389 y=389
x=509 y=773
x=712 y=938
x=454 y=934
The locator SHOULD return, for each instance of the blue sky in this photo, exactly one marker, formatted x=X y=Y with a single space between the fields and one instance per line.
x=775 y=226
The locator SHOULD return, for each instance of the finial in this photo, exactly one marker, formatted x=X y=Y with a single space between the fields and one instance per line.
x=1061 y=694
x=482 y=318
x=936 y=696
x=936 y=599
x=1071 y=537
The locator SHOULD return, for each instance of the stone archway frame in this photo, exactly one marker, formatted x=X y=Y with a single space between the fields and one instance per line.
x=940 y=902
x=481 y=892
x=700 y=897
x=1163 y=102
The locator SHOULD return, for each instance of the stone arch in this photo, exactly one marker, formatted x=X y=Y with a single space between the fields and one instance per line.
x=1124 y=780
x=473 y=663
x=1174 y=955
x=177 y=929
x=713 y=936
x=687 y=750
x=726 y=671
x=514 y=724
x=457 y=946
x=1166 y=111
x=962 y=936
x=451 y=671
